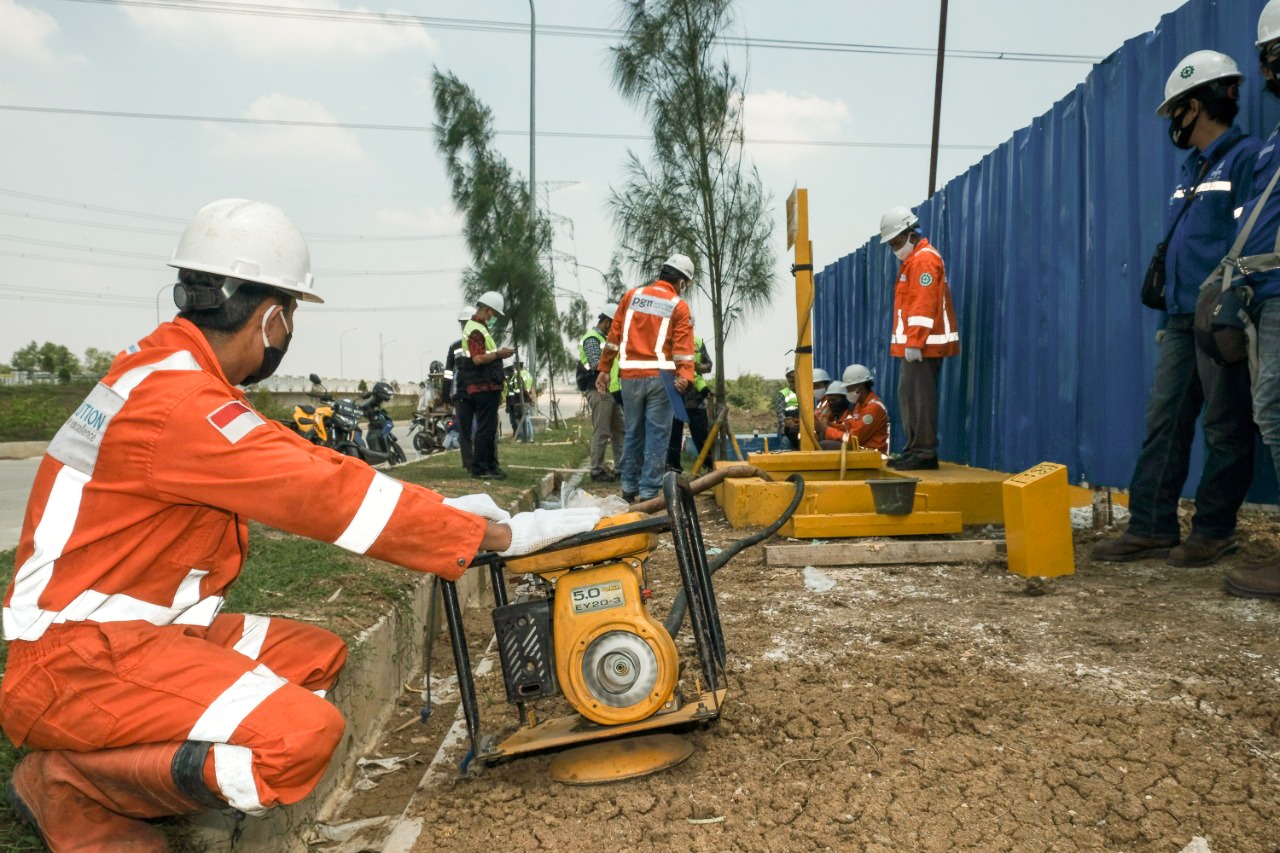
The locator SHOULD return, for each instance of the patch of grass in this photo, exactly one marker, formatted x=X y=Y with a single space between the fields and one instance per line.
x=35 y=412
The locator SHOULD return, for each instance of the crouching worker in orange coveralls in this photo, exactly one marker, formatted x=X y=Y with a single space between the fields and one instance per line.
x=853 y=410
x=138 y=698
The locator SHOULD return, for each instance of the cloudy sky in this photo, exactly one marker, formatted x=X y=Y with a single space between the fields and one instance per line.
x=91 y=204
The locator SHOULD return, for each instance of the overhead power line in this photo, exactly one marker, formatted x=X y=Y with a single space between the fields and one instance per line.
x=398 y=19
x=832 y=143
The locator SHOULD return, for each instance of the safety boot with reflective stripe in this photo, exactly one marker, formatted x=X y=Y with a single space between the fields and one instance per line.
x=99 y=800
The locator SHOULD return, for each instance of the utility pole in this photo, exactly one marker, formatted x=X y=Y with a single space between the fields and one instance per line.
x=937 y=99
x=533 y=160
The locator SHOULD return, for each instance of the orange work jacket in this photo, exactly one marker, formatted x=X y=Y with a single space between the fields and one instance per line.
x=868 y=422
x=651 y=331
x=923 y=316
x=140 y=507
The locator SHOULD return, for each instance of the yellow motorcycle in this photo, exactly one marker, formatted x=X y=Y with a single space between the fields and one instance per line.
x=312 y=422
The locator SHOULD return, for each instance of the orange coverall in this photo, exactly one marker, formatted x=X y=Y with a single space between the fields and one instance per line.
x=923 y=316
x=868 y=422
x=135 y=529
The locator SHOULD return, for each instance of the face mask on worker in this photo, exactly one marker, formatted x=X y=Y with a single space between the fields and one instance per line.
x=904 y=250
x=818 y=393
x=491 y=324
x=853 y=397
x=1180 y=133
x=271 y=355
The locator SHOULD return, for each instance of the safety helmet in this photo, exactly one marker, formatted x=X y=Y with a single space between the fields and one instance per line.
x=856 y=374
x=791 y=368
x=607 y=312
x=1195 y=70
x=820 y=375
x=836 y=389
x=1269 y=23
x=492 y=299
x=895 y=221
x=248 y=241
x=382 y=391
x=465 y=313
x=681 y=264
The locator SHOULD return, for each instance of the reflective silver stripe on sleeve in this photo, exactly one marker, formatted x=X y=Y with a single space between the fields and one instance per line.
x=225 y=714
x=372 y=517
x=918 y=320
x=233 y=768
x=253 y=635
x=1214 y=187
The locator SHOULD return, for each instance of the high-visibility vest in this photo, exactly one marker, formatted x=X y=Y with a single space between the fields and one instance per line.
x=470 y=373
x=699 y=381
x=615 y=377
x=790 y=400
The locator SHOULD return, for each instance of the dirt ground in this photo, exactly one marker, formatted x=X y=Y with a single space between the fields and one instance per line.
x=1128 y=707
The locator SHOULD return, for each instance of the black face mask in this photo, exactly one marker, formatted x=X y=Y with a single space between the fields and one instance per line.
x=838 y=404
x=1178 y=133
x=271 y=355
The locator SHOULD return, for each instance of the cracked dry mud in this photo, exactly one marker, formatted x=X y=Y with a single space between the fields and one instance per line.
x=1130 y=707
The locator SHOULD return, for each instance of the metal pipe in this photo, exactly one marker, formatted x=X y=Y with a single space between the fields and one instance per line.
x=462 y=662
x=937 y=99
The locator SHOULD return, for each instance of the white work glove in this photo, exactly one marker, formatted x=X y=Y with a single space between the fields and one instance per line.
x=481 y=505
x=533 y=531
x=914 y=354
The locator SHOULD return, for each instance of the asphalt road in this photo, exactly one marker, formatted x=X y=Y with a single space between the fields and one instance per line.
x=16 y=477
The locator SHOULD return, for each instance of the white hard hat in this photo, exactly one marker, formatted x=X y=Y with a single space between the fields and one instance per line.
x=465 y=313
x=895 y=221
x=250 y=241
x=681 y=264
x=791 y=368
x=820 y=375
x=1269 y=23
x=1203 y=66
x=856 y=374
x=836 y=389
x=609 y=310
x=492 y=299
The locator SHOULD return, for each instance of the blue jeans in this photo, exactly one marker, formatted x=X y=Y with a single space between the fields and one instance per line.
x=647 y=412
x=1185 y=381
x=1266 y=377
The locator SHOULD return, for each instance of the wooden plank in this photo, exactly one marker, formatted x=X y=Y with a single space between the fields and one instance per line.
x=872 y=524
x=881 y=553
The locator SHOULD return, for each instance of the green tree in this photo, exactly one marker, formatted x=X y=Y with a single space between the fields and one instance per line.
x=505 y=235
x=97 y=361
x=27 y=358
x=47 y=357
x=697 y=194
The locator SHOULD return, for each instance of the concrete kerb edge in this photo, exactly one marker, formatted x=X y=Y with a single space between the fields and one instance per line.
x=366 y=693
x=22 y=449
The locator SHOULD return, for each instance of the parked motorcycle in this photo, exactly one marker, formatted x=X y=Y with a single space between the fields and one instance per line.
x=381 y=438
x=312 y=422
x=427 y=432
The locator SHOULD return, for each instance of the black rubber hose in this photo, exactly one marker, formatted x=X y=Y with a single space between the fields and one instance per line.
x=675 y=619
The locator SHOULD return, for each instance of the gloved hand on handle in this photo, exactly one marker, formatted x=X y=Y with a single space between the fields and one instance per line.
x=533 y=531
x=481 y=505
x=914 y=354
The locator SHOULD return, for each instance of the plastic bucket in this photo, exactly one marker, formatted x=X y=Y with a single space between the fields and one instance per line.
x=894 y=496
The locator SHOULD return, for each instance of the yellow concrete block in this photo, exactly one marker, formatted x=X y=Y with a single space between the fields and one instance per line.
x=1037 y=522
x=871 y=524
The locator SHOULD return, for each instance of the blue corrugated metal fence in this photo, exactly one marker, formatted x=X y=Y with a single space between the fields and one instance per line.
x=1046 y=241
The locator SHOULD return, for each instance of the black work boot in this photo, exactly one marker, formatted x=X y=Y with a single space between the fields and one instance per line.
x=1255 y=580
x=1199 y=550
x=1130 y=546
x=917 y=463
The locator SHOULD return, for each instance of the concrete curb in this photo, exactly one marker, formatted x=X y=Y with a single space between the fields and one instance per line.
x=381 y=660
x=22 y=449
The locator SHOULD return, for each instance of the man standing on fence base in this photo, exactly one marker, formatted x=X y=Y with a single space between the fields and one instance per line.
x=1201 y=101
x=924 y=333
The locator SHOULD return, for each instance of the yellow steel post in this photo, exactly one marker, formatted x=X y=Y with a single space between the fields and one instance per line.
x=1037 y=522
x=798 y=236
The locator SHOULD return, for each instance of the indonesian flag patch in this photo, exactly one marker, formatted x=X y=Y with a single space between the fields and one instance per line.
x=234 y=420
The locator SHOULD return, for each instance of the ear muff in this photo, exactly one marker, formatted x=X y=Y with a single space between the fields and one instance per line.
x=192 y=297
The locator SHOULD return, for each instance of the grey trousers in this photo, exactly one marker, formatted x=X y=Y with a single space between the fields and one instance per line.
x=918 y=406
x=607 y=428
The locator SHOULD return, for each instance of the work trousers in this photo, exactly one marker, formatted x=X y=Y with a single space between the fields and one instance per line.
x=1265 y=357
x=648 y=417
x=482 y=407
x=698 y=430
x=607 y=428
x=918 y=406
x=464 y=435
x=251 y=685
x=1185 y=382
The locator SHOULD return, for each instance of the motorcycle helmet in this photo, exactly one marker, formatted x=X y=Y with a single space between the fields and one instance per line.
x=435 y=367
x=382 y=392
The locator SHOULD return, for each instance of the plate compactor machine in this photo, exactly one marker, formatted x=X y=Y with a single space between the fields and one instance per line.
x=581 y=628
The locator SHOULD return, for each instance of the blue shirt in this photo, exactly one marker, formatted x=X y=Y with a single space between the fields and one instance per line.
x=1262 y=239
x=1206 y=231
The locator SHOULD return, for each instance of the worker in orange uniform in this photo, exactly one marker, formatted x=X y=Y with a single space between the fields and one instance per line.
x=924 y=333
x=854 y=412
x=652 y=338
x=137 y=697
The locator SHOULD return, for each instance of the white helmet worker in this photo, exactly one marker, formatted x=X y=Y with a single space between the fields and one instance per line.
x=1269 y=23
x=856 y=374
x=820 y=375
x=836 y=389
x=465 y=313
x=1196 y=69
x=895 y=221
x=681 y=264
x=608 y=311
x=791 y=368
x=493 y=300
x=248 y=241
